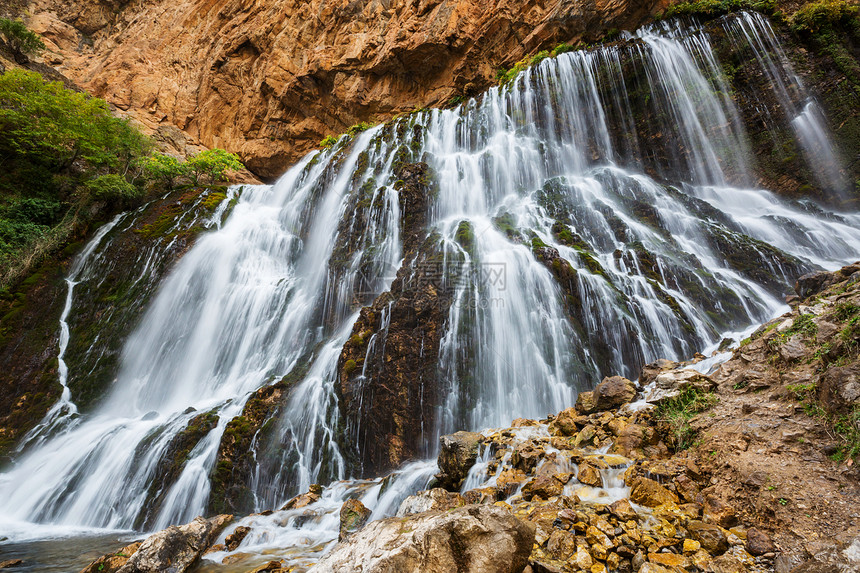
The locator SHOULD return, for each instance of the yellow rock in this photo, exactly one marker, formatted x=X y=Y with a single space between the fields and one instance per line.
x=691 y=546
x=598 y=568
x=668 y=559
x=598 y=551
x=582 y=559
x=701 y=559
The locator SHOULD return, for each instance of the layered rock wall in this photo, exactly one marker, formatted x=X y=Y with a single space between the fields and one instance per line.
x=269 y=79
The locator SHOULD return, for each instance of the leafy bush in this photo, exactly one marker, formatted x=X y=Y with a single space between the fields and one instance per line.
x=46 y=124
x=19 y=38
x=115 y=189
x=211 y=165
x=328 y=142
x=714 y=8
x=822 y=15
x=163 y=168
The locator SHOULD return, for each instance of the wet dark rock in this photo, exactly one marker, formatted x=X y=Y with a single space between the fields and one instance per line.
x=232 y=541
x=457 y=455
x=353 y=516
x=385 y=414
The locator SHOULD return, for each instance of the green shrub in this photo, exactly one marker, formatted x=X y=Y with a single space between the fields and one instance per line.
x=20 y=40
x=678 y=412
x=714 y=8
x=358 y=128
x=822 y=15
x=212 y=165
x=328 y=142
x=163 y=168
x=115 y=189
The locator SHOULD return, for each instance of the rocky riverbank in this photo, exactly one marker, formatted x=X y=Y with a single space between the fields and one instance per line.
x=742 y=462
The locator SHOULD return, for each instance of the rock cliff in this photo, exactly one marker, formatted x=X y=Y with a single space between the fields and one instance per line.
x=269 y=79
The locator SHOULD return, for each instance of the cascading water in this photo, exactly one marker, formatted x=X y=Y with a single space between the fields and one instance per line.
x=597 y=207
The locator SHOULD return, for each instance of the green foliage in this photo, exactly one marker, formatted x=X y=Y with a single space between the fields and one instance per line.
x=358 y=128
x=211 y=165
x=328 y=142
x=66 y=161
x=55 y=128
x=714 y=8
x=678 y=412
x=846 y=310
x=847 y=428
x=821 y=15
x=114 y=188
x=19 y=38
x=562 y=49
x=164 y=168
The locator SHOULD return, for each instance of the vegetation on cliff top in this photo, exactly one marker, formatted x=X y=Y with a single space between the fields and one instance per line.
x=66 y=162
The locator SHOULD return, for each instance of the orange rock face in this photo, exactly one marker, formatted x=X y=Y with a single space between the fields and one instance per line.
x=268 y=79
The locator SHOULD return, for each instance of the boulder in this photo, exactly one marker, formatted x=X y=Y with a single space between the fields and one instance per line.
x=436 y=499
x=586 y=403
x=457 y=454
x=622 y=510
x=649 y=493
x=758 y=542
x=232 y=541
x=353 y=515
x=526 y=456
x=543 y=487
x=303 y=500
x=840 y=388
x=473 y=538
x=719 y=512
x=567 y=423
x=813 y=283
x=710 y=536
x=172 y=550
x=613 y=392
x=589 y=475
x=652 y=370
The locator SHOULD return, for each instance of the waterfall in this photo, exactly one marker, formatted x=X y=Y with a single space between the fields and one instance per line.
x=595 y=214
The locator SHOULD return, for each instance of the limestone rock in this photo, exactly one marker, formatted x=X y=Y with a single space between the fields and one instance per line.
x=457 y=454
x=353 y=515
x=719 y=512
x=175 y=549
x=589 y=475
x=612 y=392
x=303 y=500
x=543 y=487
x=472 y=538
x=268 y=80
x=436 y=499
x=648 y=492
x=710 y=536
x=840 y=387
x=111 y=563
x=622 y=510
x=586 y=403
x=232 y=541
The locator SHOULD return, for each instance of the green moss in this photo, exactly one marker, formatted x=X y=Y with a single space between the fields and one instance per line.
x=328 y=142
x=349 y=367
x=507 y=225
x=715 y=8
x=465 y=236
